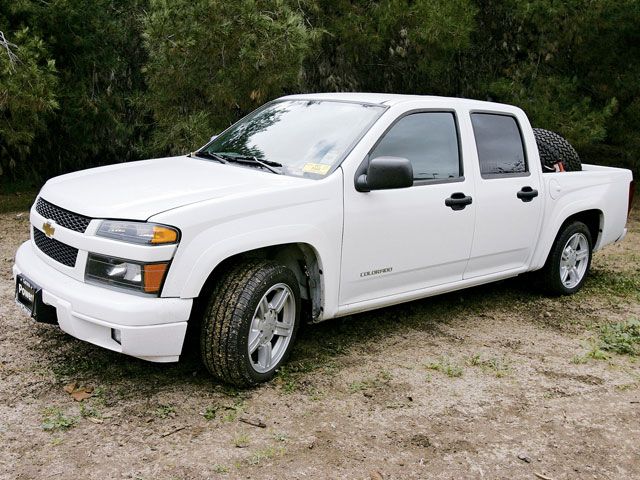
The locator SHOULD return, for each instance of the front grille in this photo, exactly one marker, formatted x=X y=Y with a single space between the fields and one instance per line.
x=59 y=251
x=64 y=218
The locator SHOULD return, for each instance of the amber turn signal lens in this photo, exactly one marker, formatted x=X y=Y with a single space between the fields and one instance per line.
x=153 y=276
x=164 y=235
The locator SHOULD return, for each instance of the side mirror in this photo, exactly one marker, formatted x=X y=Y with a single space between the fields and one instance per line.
x=213 y=138
x=385 y=173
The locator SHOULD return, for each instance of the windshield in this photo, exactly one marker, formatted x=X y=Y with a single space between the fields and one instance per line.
x=301 y=138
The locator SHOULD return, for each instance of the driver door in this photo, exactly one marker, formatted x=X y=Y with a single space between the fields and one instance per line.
x=407 y=239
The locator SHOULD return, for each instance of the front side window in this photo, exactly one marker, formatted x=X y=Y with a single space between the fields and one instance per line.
x=429 y=140
x=304 y=138
x=499 y=144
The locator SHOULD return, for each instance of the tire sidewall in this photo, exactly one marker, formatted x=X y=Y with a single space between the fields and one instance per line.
x=561 y=241
x=279 y=274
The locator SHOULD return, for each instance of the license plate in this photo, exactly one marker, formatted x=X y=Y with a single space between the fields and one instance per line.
x=26 y=292
x=29 y=298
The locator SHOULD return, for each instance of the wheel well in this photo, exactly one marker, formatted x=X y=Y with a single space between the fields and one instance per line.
x=301 y=258
x=592 y=219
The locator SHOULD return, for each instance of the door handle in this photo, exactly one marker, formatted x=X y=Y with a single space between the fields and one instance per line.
x=457 y=201
x=526 y=194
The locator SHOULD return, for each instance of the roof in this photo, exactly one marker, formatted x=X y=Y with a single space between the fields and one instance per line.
x=386 y=98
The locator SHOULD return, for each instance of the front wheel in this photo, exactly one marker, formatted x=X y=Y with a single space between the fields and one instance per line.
x=569 y=260
x=250 y=323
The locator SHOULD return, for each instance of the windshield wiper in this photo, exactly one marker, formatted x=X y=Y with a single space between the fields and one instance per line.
x=268 y=164
x=212 y=156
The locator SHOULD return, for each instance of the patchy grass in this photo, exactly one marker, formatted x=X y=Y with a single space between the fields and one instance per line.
x=627 y=386
x=358 y=386
x=165 y=411
x=500 y=367
x=446 y=366
x=622 y=338
x=280 y=437
x=289 y=376
x=234 y=411
x=618 y=284
x=267 y=453
x=241 y=440
x=54 y=420
x=381 y=379
x=579 y=359
x=217 y=468
x=89 y=412
x=597 y=353
x=210 y=412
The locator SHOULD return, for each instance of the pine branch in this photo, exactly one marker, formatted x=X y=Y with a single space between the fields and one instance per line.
x=7 y=45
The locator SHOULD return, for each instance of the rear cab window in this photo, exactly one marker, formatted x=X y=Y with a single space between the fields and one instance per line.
x=500 y=145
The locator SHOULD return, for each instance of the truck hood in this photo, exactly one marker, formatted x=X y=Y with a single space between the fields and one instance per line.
x=139 y=190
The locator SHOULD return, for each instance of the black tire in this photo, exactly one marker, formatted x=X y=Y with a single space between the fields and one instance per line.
x=226 y=323
x=551 y=272
x=553 y=149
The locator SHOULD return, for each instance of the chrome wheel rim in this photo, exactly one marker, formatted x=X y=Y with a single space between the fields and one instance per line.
x=272 y=328
x=574 y=260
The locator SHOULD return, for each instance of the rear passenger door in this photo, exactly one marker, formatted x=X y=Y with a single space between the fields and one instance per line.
x=509 y=204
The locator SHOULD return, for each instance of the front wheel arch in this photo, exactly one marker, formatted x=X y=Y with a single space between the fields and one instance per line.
x=302 y=258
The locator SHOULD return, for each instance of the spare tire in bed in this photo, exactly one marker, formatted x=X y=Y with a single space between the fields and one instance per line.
x=553 y=149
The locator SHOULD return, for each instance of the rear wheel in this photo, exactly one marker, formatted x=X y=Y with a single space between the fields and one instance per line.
x=250 y=323
x=569 y=260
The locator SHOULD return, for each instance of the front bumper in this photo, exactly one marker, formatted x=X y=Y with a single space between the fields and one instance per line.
x=151 y=328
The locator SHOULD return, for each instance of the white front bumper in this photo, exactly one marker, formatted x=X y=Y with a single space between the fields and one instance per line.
x=151 y=328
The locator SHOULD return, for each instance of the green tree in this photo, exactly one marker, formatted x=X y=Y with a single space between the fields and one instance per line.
x=97 y=45
x=27 y=96
x=400 y=46
x=572 y=65
x=75 y=85
x=90 y=82
x=212 y=61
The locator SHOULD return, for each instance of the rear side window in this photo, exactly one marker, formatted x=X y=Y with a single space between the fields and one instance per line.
x=429 y=140
x=499 y=144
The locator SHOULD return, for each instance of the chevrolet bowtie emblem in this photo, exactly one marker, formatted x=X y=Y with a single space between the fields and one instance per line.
x=48 y=229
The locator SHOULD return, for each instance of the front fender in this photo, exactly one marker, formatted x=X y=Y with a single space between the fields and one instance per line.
x=218 y=251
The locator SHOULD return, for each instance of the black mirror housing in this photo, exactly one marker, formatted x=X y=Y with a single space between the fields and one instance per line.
x=385 y=173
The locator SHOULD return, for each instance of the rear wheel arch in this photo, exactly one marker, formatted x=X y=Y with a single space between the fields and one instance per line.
x=593 y=219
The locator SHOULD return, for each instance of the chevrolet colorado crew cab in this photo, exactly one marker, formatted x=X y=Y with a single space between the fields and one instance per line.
x=314 y=207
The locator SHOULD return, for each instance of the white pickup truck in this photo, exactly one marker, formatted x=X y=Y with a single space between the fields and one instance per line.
x=315 y=207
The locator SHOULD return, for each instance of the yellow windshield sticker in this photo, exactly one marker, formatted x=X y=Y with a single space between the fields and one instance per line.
x=319 y=168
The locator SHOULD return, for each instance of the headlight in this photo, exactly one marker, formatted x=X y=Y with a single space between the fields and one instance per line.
x=128 y=274
x=138 y=232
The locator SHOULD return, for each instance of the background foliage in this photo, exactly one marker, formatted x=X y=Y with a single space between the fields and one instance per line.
x=90 y=82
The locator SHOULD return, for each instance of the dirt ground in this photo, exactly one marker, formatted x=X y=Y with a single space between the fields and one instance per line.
x=495 y=382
